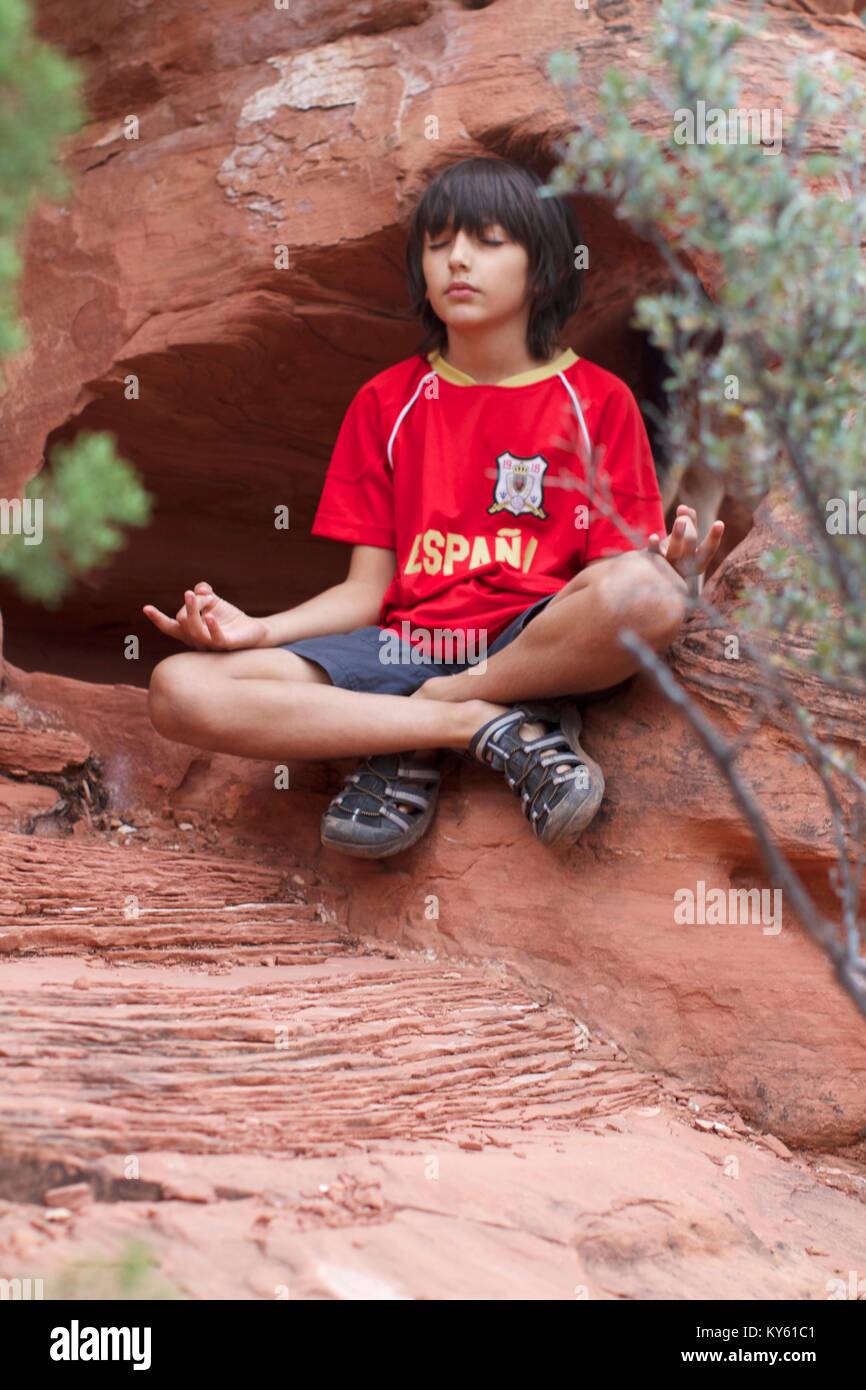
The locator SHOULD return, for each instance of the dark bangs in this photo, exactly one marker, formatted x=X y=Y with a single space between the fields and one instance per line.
x=475 y=192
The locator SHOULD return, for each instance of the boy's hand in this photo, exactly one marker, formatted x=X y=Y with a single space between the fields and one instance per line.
x=209 y=623
x=681 y=549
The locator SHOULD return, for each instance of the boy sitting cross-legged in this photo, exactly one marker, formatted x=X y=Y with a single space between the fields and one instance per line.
x=482 y=582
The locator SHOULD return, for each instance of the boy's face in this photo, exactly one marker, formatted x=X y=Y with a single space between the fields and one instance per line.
x=493 y=264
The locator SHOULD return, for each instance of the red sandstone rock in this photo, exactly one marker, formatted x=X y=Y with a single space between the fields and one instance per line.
x=711 y=1005
x=75 y=1196
x=20 y=800
x=316 y=1165
x=142 y=987
x=163 y=1092
x=316 y=141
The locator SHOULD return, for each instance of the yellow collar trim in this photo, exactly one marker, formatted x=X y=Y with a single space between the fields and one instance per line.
x=454 y=374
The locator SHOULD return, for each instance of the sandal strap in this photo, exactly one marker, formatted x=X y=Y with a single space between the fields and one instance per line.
x=383 y=811
x=479 y=743
x=371 y=802
x=418 y=774
x=529 y=764
x=391 y=793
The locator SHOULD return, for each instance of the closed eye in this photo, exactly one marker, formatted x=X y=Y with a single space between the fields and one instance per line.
x=490 y=241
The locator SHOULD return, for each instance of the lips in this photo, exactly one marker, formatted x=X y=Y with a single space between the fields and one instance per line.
x=461 y=288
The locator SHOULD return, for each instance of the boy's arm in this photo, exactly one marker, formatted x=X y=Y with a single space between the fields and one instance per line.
x=353 y=603
x=356 y=506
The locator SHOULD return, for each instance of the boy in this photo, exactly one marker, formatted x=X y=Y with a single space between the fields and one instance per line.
x=456 y=482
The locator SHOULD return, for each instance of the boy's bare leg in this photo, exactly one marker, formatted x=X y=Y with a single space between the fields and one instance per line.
x=210 y=700
x=572 y=645
x=192 y=701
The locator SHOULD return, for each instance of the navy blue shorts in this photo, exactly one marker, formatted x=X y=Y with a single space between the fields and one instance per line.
x=355 y=660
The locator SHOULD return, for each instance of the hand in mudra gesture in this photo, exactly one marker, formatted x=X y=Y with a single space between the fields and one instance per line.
x=681 y=548
x=208 y=622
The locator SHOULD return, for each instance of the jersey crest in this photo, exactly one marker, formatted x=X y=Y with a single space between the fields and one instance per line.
x=519 y=486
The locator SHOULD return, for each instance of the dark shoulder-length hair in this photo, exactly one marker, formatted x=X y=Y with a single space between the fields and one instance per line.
x=475 y=192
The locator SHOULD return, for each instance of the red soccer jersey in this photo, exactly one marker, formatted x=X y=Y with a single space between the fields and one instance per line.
x=481 y=489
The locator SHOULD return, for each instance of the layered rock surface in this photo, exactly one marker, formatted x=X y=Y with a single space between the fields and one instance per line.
x=164 y=912
x=750 y=1009
x=226 y=1095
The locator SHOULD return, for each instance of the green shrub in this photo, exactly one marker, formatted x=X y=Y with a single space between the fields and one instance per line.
x=88 y=491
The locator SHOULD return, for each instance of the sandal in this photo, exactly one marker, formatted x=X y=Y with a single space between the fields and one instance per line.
x=385 y=805
x=559 y=785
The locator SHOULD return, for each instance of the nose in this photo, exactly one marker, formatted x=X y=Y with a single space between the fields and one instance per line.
x=459 y=253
